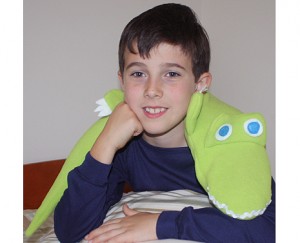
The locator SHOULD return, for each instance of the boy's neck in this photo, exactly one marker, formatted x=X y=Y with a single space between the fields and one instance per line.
x=172 y=139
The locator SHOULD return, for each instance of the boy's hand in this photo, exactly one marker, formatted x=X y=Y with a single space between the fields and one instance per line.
x=121 y=126
x=134 y=227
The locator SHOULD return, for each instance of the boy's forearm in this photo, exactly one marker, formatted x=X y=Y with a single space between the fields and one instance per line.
x=79 y=210
x=121 y=126
x=102 y=150
x=211 y=225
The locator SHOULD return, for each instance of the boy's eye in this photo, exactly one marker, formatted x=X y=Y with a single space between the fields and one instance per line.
x=137 y=74
x=172 y=74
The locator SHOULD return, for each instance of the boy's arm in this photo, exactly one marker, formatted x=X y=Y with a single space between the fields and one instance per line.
x=211 y=225
x=92 y=189
x=121 y=126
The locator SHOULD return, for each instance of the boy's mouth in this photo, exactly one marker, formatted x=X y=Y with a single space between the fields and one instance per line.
x=154 y=112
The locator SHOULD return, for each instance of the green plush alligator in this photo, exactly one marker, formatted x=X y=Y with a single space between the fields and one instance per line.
x=230 y=157
x=230 y=160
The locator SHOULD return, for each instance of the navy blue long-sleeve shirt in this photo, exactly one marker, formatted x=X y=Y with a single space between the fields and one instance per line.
x=94 y=187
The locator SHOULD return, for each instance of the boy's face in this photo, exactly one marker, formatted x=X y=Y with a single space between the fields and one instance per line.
x=158 y=89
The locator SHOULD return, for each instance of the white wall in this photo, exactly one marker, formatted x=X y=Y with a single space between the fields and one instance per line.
x=70 y=61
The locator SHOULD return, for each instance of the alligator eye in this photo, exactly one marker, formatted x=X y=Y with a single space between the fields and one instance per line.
x=224 y=132
x=253 y=127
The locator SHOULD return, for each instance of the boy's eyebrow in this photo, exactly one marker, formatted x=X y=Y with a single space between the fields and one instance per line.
x=139 y=64
x=169 y=65
x=164 y=65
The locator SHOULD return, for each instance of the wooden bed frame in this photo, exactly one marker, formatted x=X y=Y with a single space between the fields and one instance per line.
x=38 y=179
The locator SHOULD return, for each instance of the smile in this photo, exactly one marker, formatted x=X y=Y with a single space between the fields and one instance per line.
x=154 y=112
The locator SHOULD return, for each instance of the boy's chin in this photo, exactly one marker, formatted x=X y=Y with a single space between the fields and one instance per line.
x=154 y=132
x=159 y=128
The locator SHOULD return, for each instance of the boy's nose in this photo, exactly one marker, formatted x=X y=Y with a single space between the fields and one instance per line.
x=153 y=89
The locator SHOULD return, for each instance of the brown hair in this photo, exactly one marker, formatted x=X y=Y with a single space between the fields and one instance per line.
x=172 y=23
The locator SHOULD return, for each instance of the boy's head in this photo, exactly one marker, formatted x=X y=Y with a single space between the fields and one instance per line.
x=174 y=24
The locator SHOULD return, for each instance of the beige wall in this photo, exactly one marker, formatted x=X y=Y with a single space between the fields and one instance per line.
x=70 y=61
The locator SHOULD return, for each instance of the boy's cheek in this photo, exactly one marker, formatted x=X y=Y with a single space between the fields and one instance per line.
x=131 y=95
x=129 y=101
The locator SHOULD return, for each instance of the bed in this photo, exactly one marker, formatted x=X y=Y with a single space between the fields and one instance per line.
x=39 y=177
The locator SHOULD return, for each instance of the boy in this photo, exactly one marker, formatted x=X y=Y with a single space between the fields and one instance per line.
x=164 y=58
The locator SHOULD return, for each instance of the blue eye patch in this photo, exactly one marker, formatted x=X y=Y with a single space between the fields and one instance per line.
x=224 y=132
x=253 y=127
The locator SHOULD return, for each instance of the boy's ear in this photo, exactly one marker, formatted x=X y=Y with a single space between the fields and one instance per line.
x=120 y=77
x=203 y=83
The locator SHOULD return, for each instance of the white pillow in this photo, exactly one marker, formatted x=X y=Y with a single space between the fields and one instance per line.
x=157 y=201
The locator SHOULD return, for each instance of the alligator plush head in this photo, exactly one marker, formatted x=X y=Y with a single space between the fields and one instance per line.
x=231 y=161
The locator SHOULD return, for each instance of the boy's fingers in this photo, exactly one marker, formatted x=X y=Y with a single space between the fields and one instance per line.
x=128 y=211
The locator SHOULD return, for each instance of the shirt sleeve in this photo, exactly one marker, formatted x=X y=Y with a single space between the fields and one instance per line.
x=211 y=225
x=92 y=189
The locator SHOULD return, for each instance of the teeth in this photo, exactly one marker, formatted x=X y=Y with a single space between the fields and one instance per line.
x=155 y=110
